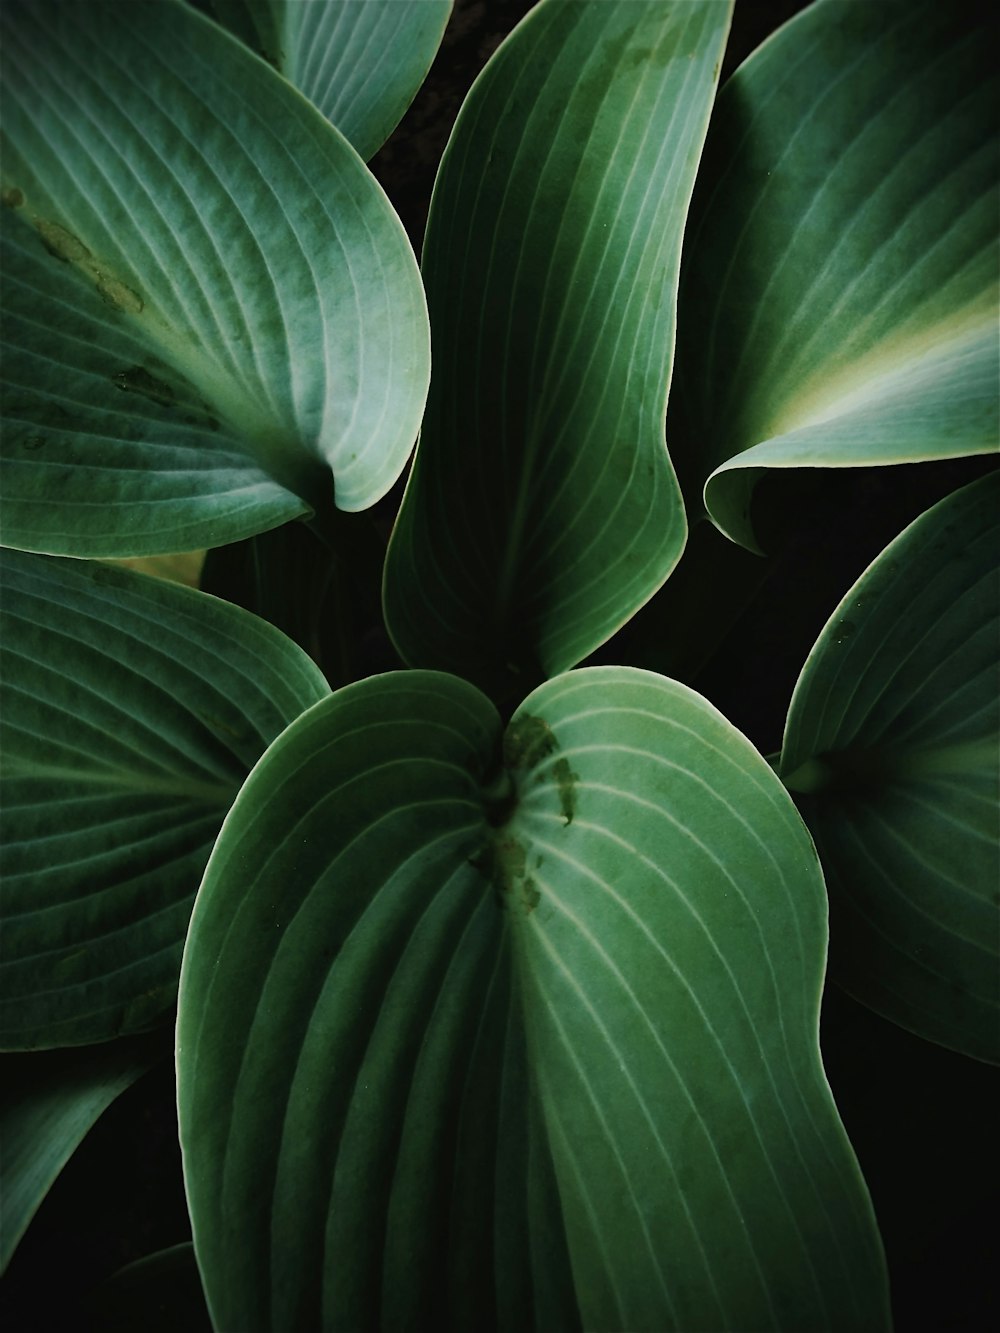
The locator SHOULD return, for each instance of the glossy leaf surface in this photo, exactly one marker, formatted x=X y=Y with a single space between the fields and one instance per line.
x=893 y=743
x=132 y=712
x=209 y=304
x=359 y=61
x=543 y=509
x=48 y=1103
x=839 y=300
x=532 y=1044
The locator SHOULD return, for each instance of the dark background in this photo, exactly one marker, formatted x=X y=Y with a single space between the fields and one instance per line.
x=923 y=1120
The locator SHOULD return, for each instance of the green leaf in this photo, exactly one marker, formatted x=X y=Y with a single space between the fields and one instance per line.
x=533 y=1044
x=209 y=303
x=132 y=712
x=839 y=299
x=360 y=63
x=159 y=1293
x=893 y=745
x=49 y=1102
x=543 y=509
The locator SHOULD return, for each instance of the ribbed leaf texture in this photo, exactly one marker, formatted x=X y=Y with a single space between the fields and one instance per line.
x=840 y=281
x=209 y=305
x=132 y=710
x=471 y=1042
x=892 y=747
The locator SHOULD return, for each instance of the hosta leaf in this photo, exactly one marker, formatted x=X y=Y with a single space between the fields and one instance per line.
x=839 y=299
x=49 y=1102
x=532 y=1045
x=359 y=61
x=208 y=301
x=893 y=743
x=159 y=1293
x=543 y=509
x=132 y=712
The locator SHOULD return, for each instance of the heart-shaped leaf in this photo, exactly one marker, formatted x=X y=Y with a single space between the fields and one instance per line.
x=48 y=1103
x=893 y=745
x=132 y=712
x=469 y=1042
x=360 y=63
x=208 y=301
x=543 y=510
x=839 y=298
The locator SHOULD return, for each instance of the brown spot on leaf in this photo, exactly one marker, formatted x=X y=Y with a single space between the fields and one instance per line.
x=120 y=296
x=59 y=242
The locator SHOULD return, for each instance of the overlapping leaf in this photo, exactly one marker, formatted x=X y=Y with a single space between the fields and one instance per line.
x=48 y=1103
x=208 y=301
x=465 y=1043
x=543 y=509
x=132 y=710
x=359 y=61
x=839 y=299
x=160 y=1293
x=893 y=741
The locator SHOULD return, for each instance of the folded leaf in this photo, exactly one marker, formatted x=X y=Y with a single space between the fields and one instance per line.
x=50 y=1100
x=839 y=298
x=132 y=710
x=208 y=302
x=892 y=746
x=359 y=61
x=543 y=510
x=468 y=1044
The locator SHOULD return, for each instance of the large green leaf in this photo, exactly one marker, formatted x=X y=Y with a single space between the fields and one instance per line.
x=48 y=1102
x=893 y=744
x=132 y=710
x=839 y=298
x=543 y=509
x=208 y=301
x=533 y=1044
x=359 y=61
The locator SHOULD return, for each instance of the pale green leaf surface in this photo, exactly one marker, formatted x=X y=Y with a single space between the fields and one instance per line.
x=359 y=61
x=893 y=746
x=209 y=304
x=464 y=1044
x=48 y=1103
x=132 y=710
x=839 y=299
x=543 y=509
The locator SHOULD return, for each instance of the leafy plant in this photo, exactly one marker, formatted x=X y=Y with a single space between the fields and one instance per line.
x=497 y=978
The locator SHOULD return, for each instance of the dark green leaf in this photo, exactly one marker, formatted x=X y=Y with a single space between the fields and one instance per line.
x=839 y=298
x=209 y=303
x=465 y=1044
x=359 y=62
x=49 y=1101
x=543 y=509
x=893 y=741
x=132 y=712
x=160 y=1293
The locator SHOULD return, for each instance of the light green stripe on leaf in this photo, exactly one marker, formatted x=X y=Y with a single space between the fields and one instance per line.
x=839 y=299
x=132 y=710
x=359 y=61
x=543 y=510
x=516 y=1031
x=209 y=304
